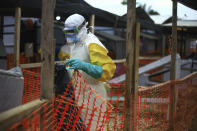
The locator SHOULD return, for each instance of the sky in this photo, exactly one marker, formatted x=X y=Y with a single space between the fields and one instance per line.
x=164 y=7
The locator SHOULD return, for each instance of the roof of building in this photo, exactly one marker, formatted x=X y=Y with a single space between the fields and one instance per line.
x=189 y=26
x=159 y=19
x=142 y=17
x=184 y=23
x=108 y=36
x=190 y=3
x=32 y=8
x=64 y=8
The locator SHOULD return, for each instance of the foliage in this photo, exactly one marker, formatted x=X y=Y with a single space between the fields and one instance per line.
x=124 y=2
x=148 y=10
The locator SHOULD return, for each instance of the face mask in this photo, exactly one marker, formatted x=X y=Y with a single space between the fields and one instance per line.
x=71 y=38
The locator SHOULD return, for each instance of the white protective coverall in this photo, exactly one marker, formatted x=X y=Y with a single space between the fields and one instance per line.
x=89 y=49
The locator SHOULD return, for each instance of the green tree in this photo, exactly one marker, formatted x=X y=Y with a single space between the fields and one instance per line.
x=148 y=10
x=124 y=2
x=152 y=12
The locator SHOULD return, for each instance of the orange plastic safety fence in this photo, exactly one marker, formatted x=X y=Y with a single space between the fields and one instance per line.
x=117 y=99
x=31 y=90
x=81 y=108
x=153 y=105
x=185 y=101
x=153 y=108
x=23 y=60
x=10 y=60
x=78 y=108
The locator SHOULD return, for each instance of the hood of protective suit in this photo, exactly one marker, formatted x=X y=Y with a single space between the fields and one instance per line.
x=77 y=21
x=83 y=33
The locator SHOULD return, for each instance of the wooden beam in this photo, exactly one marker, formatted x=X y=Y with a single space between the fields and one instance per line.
x=189 y=69
x=17 y=36
x=47 y=47
x=92 y=19
x=16 y=114
x=119 y=61
x=32 y=65
x=173 y=65
x=124 y=60
x=130 y=62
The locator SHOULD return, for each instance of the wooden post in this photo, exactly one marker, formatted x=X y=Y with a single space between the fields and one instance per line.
x=174 y=40
x=182 y=44
x=163 y=45
x=136 y=74
x=17 y=36
x=173 y=65
x=47 y=49
x=130 y=61
x=92 y=19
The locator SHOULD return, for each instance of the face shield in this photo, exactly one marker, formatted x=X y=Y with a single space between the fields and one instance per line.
x=71 y=35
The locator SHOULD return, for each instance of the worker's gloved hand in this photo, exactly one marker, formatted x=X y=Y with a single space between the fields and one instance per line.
x=93 y=70
x=74 y=64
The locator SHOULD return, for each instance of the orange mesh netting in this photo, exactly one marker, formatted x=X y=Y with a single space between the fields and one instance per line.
x=41 y=119
x=78 y=108
x=31 y=89
x=23 y=59
x=186 y=101
x=10 y=60
x=81 y=108
x=153 y=105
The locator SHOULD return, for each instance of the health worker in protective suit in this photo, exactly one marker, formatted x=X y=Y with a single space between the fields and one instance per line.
x=84 y=52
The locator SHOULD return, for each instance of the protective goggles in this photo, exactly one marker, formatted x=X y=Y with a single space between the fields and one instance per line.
x=76 y=30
